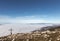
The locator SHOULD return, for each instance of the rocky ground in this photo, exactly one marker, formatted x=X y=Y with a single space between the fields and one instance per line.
x=51 y=34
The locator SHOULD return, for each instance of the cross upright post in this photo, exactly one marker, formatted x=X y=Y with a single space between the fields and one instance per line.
x=11 y=31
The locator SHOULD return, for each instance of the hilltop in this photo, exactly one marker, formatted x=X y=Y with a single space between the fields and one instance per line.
x=49 y=33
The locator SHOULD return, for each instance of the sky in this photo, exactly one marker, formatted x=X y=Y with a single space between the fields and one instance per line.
x=29 y=11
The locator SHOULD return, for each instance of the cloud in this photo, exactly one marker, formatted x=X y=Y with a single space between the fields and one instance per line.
x=15 y=23
x=23 y=19
x=28 y=19
x=20 y=28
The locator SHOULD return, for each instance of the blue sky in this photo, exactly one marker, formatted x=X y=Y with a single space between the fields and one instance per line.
x=29 y=11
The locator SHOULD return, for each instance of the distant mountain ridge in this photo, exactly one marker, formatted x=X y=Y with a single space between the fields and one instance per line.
x=51 y=28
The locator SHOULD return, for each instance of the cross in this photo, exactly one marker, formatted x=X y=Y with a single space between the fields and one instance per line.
x=11 y=31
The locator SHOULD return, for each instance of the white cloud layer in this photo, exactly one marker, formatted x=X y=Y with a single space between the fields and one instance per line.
x=20 y=28
x=27 y=19
x=15 y=23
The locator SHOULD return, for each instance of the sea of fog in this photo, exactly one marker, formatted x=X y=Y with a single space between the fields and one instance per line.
x=20 y=28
